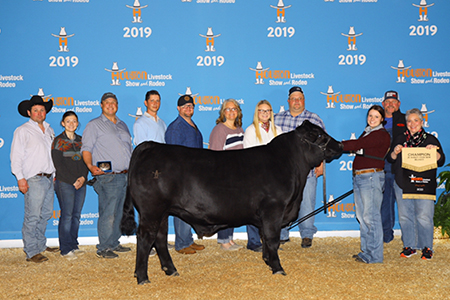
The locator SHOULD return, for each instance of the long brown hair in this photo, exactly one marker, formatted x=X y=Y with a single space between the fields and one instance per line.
x=222 y=119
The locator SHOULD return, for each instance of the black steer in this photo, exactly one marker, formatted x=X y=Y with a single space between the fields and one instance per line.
x=212 y=190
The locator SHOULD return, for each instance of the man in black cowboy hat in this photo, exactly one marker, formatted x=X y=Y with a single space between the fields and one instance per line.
x=32 y=164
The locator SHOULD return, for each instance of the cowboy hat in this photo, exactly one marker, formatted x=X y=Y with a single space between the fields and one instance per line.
x=26 y=105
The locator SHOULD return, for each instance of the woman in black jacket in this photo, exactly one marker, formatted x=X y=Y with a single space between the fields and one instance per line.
x=415 y=189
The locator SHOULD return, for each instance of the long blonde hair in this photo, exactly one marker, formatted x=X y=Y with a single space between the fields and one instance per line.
x=222 y=119
x=256 y=120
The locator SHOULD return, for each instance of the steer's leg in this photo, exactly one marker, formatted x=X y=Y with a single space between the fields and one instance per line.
x=161 y=247
x=145 y=240
x=265 y=253
x=271 y=242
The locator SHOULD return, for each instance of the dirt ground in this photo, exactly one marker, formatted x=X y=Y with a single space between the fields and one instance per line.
x=324 y=271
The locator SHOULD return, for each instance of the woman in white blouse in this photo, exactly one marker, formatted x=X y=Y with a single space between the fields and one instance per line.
x=263 y=128
x=260 y=132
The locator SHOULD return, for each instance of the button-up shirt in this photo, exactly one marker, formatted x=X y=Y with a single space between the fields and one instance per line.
x=31 y=150
x=181 y=133
x=147 y=128
x=288 y=122
x=107 y=141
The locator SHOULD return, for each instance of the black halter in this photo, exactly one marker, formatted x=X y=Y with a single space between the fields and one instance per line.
x=321 y=147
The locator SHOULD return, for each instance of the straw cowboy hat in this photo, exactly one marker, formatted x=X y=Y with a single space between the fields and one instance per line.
x=26 y=105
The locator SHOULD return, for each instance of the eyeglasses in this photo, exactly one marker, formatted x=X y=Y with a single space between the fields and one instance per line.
x=186 y=106
x=231 y=109
x=264 y=111
x=296 y=99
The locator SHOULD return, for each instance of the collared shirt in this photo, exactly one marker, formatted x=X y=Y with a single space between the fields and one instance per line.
x=287 y=122
x=181 y=133
x=31 y=150
x=147 y=128
x=107 y=141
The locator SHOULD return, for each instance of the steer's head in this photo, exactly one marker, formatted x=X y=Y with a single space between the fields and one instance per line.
x=319 y=139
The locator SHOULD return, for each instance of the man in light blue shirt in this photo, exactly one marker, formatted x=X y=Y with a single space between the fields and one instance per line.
x=150 y=127
x=32 y=164
x=288 y=121
x=107 y=151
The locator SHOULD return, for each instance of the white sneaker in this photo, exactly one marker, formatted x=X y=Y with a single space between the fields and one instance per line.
x=152 y=252
x=70 y=255
x=78 y=252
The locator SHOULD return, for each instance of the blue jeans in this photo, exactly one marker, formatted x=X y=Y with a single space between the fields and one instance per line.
x=71 y=202
x=306 y=228
x=183 y=234
x=111 y=190
x=225 y=235
x=368 y=195
x=38 y=210
x=416 y=221
x=254 y=240
x=388 y=208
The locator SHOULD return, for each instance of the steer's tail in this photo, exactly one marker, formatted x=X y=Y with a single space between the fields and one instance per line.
x=128 y=223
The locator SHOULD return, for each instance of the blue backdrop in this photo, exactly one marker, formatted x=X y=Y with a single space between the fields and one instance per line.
x=344 y=53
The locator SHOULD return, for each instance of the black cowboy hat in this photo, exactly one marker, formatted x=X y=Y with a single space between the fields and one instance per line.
x=26 y=105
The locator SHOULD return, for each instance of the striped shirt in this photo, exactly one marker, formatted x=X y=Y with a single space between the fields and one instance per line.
x=224 y=138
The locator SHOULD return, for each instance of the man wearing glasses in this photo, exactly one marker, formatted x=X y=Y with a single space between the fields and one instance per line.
x=183 y=131
x=289 y=120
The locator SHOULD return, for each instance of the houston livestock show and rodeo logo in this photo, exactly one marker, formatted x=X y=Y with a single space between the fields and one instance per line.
x=280 y=77
x=61 y=104
x=337 y=99
x=424 y=27
x=136 y=78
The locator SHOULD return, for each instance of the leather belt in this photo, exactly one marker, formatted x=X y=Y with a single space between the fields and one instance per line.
x=121 y=172
x=365 y=171
x=44 y=174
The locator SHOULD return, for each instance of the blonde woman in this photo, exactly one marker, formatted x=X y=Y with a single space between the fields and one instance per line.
x=260 y=132
x=263 y=128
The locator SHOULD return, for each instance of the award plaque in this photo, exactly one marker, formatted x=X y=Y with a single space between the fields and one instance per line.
x=105 y=166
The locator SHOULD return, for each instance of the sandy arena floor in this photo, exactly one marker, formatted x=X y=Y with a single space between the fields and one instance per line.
x=325 y=271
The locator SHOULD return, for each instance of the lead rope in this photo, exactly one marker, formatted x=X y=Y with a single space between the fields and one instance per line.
x=324 y=187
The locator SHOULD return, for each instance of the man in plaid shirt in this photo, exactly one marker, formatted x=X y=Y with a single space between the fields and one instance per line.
x=289 y=120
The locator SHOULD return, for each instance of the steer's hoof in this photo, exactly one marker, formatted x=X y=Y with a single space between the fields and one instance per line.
x=282 y=272
x=146 y=281
x=175 y=273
